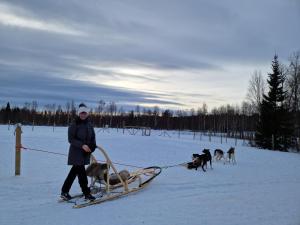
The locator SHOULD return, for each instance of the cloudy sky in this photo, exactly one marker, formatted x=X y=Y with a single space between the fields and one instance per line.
x=170 y=53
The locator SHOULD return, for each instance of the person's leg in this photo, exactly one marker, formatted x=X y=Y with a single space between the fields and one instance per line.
x=82 y=179
x=69 y=180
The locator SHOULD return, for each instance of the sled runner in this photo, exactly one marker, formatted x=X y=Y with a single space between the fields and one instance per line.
x=107 y=186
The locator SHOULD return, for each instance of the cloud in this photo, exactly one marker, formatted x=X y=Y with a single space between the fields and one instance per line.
x=177 y=54
x=21 y=88
x=9 y=18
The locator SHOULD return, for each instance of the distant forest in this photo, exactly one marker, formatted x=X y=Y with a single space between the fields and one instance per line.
x=225 y=119
x=270 y=115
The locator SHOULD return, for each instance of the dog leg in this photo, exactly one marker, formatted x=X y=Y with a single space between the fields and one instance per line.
x=203 y=165
x=233 y=159
x=92 y=182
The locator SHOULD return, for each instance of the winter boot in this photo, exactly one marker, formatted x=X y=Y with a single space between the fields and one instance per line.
x=89 y=197
x=65 y=196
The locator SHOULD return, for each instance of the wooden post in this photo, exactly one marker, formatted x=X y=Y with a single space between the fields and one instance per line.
x=18 y=133
x=273 y=144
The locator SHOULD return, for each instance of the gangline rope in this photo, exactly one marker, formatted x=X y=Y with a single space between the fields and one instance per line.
x=122 y=164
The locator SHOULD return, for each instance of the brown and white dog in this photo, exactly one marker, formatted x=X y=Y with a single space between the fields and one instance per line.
x=98 y=173
x=231 y=156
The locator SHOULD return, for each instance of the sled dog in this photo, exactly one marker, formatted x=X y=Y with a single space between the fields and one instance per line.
x=231 y=155
x=218 y=154
x=208 y=157
x=97 y=171
x=197 y=161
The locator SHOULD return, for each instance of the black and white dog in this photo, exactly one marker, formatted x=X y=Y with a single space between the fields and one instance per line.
x=218 y=154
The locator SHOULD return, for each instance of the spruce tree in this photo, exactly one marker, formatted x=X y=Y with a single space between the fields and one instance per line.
x=7 y=113
x=273 y=128
x=7 y=109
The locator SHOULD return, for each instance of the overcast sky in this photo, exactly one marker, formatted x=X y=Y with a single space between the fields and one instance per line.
x=170 y=53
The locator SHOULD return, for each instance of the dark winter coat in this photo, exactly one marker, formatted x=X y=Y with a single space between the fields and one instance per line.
x=81 y=132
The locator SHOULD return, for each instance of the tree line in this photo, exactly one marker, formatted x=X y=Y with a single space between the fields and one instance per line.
x=224 y=119
x=269 y=116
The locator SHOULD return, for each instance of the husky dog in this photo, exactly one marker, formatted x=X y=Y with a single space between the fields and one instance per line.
x=218 y=154
x=97 y=171
x=231 y=155
x=197 y=161
x=208 y=157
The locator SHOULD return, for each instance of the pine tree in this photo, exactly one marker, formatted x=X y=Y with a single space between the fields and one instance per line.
x=7 y=113
x=273 y=129
x=7 y=109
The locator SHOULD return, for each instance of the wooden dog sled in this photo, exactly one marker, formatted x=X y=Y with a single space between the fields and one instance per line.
x=135 y=181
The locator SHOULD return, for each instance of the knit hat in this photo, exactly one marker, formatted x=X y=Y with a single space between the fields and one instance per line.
x=82 y=108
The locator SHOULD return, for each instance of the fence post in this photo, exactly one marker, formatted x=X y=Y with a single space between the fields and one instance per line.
x=123 y=126
x=18 y=133
x=32 y=125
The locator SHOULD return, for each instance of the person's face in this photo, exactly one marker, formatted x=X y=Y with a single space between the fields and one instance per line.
x=83 y=115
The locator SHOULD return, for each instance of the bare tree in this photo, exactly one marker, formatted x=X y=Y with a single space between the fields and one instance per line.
x=100 y=109
x=34 y=106
x=293 y=89
x=112 y=110
x=156 y=114
x=293 y=81
x=256 y=90
x=201 y=113
x=138 y=110
x=68 y=107
x=73 y=108
x=27 y=106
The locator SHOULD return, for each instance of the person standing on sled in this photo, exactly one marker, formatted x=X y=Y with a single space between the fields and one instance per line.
x=81 y=136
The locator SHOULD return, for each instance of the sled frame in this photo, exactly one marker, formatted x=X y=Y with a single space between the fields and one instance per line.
x=149 y=171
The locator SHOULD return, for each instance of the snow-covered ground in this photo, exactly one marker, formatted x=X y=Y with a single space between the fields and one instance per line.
x=263 y=188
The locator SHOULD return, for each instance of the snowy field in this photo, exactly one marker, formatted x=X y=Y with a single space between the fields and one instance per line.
x=263 y=188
